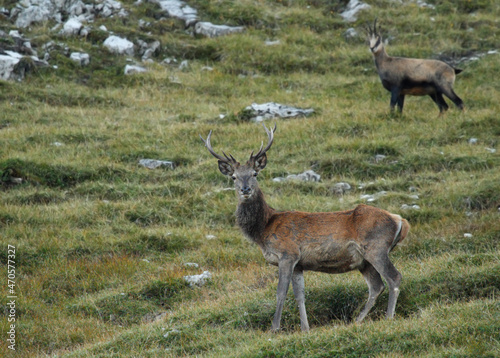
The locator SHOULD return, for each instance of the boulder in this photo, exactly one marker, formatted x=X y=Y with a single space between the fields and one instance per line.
x=119 y=45
x=308 y=175
x=198 y=280
x=261 y=112
x=153 y=163
x=352 y=10
x=130 y=70
x=208 y=29
x=179 y=10
x=72 y=27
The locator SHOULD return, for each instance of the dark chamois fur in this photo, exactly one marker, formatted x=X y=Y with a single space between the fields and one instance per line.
x=415 y=77
x=296 y=241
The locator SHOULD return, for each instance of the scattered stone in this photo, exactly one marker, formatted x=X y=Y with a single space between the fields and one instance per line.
x=27 y=12
x=153 y=317
x=352 y=10
x=491 y=150
x=468 y=235
x=261 y=112
x=179 y=10
x=184 y=65
x=341 y=188
x=379 y=158
x=210 y=237
x=412 y=189
x=423 y=4
x=350 y=33
x=57 y=144
x=172 y=331
x=72 y=27
x=198 y=280
x=473 y=141
x=148 y=50
x=119 y=45
x=153 y=163
x=132 y=69
x=208 y=29
x=191 y=264
x=410 y=207
x=272 y=43
x=83 y=59
x=103 y=28
x=372 y=197
x=308 y=175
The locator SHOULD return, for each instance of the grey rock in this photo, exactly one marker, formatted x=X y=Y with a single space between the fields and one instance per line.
x=119 y=45
x=341 y=188
x=83 y=59
x=153 y=163
x=208 y=29
x=133 y=69
x=352 y=10
x=261 y=112
x=198 y=280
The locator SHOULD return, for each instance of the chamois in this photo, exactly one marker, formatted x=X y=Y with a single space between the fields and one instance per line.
x=416 y=77
x=295 y=241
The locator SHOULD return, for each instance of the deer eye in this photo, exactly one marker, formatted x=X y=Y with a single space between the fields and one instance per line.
x=255 y=174
x=233 y=177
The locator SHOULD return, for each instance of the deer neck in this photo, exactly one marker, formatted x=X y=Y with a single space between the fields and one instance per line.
x=380 y=57
x=253 y=215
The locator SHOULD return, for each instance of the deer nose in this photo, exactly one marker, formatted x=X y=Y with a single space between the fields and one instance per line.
x=246 y=190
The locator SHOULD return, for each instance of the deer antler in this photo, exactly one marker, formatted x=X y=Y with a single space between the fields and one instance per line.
x=228 y=159
x=270 y=138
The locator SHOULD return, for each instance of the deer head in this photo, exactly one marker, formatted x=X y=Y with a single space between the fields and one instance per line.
x=374 y=38
x=244 y=176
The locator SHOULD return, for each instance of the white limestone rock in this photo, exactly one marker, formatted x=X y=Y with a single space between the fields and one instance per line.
x=119 y=45
x=208 y=29
x=352 y=10
x=261 y=112
x=83 y=59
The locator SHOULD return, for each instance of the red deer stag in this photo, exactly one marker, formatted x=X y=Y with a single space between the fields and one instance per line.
x=410 y=76
x=295 y=241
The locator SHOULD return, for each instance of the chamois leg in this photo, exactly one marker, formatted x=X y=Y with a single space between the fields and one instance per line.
x=395 y=98
x=300 y=297
x=286 y=267
x=448 y=92
x=393 y=277
x=401 y=102
x=375 y=288
x=439 y=100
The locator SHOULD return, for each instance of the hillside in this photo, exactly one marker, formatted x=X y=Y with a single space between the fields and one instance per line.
x=101 y=244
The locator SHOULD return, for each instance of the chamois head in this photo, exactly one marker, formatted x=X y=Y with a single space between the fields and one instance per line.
x=244 y=176
x=374 y=38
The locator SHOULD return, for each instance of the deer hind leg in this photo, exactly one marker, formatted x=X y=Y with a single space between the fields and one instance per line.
x=286 y=266
x=300 y=297
x=393 y=278
x=375 y=288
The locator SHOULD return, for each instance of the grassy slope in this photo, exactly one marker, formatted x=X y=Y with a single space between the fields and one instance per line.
x=101 y=242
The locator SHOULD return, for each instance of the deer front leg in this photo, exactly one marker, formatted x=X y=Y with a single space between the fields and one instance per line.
x=300 y=297
x=286 y=266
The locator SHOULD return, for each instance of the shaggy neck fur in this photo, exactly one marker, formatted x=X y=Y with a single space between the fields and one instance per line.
x=252 y=216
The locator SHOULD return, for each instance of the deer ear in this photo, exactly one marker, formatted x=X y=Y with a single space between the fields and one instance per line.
x=260 y=163
x=226 y=168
